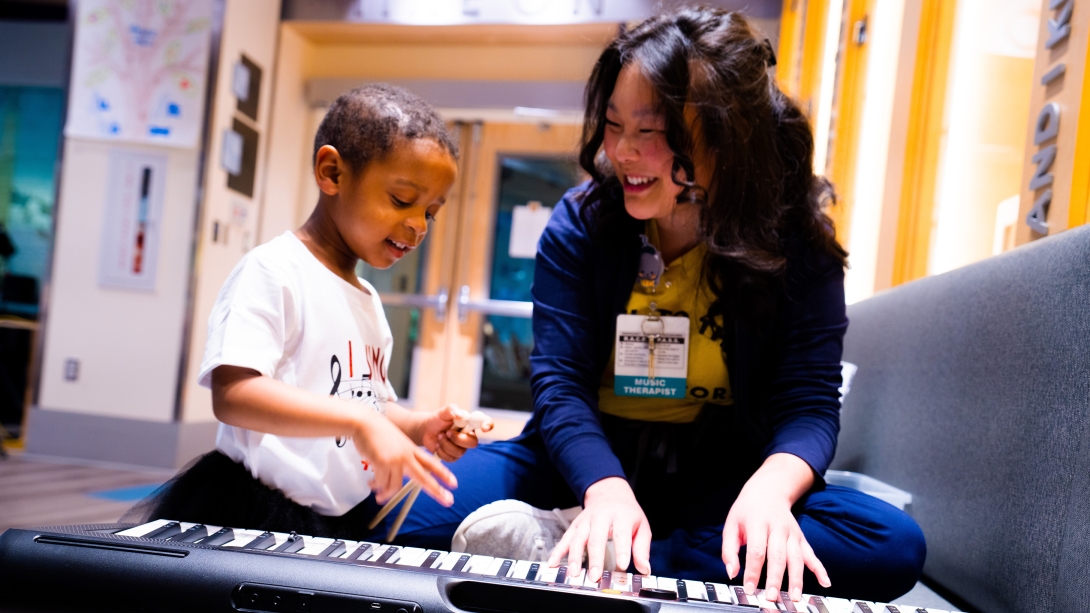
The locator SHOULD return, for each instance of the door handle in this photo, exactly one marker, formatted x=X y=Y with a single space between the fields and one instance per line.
x=503 y=308
x=438 y=302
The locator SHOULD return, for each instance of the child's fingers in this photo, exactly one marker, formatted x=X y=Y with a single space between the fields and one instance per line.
x=431 y=487
x=432 y=464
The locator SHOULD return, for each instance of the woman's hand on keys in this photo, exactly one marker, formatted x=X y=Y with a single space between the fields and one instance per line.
x=609 y=510
x=761 y=519
x=394 y=456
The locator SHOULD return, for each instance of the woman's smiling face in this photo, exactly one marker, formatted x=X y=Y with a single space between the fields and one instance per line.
x=635 y=143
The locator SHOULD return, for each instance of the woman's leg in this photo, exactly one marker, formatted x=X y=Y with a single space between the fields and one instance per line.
x=517 y=469
x=872 y=550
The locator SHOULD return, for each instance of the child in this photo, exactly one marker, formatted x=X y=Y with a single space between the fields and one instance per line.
x=298 y=346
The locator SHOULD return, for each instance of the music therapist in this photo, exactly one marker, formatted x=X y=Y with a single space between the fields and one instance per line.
x=688 y=324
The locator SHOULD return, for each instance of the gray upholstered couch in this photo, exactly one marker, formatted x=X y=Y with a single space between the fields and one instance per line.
x=973 y=394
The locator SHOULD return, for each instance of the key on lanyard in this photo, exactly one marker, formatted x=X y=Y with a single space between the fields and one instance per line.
x=657 y=327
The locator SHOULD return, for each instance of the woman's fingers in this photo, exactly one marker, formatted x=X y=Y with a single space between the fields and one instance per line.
x=447 y=450
x=731 y=545
x=596 y=548
x=815 y=565
x=461 y=439
x=622 y=544
x=577 y=546
x=756 y=542
x=641 y=547
x=561 y=548
x=795 y=566
x=776 y=558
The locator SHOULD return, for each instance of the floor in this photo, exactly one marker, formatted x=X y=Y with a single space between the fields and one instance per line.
x=44 y=492
x=51 y=492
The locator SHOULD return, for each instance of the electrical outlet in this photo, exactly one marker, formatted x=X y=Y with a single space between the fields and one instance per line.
x=71 y=369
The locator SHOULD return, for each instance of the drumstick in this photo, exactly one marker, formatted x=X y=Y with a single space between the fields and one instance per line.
x=389 y=506
x=414 y=492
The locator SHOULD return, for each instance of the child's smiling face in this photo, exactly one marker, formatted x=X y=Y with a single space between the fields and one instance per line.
x=383 y=212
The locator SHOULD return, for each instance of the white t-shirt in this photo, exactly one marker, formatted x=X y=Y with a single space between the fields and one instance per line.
x=287 y=316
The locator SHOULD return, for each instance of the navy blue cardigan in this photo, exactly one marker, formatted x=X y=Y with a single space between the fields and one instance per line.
x=786 y=377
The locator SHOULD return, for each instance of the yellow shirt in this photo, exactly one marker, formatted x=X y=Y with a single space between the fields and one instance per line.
x=680 y=292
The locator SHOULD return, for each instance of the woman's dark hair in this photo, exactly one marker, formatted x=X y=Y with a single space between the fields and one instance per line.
x=363 y=124
x=757 y=141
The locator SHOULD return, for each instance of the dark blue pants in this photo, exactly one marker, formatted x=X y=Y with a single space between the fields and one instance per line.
x=871 y=549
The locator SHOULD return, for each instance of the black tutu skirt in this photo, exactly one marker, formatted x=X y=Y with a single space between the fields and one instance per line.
x=216 y=490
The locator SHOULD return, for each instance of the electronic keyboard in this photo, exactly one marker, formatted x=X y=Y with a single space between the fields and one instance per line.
x=166 y=565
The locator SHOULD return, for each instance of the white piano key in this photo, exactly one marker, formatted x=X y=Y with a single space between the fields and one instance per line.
x=407 y=556
x=315 y=545
x=493 y=567
x=450 y=560
x=837 y=605
x=696 y=590
x=622 y=582
x=583 y=579
x=142 y=529
x=243 y=538
x=548 y=574
x=417 y=559
x=521 y=568
x=666 y=583
x=352 y=546
x=723 y=593
x=477 y=565
x=650 y=581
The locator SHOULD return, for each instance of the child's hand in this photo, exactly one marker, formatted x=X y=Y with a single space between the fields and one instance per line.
x=444 y=438
x=393 y=456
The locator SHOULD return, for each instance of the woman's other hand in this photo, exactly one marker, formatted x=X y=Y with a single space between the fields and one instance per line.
x=761 y=519
x=393 y=456
x=610 y=510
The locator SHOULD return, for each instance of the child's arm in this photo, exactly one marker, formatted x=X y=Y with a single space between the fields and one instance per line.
x=437 y=431
x=244 y=398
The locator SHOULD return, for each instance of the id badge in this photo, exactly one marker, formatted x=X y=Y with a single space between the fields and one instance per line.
x=634 y=372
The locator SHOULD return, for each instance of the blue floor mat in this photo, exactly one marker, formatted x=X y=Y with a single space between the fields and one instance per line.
x=126 y=494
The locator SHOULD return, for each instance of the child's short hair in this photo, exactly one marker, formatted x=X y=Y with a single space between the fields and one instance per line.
x=363 y=124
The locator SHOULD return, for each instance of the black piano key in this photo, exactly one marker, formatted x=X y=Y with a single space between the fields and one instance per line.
x=292 y=545
x=637 y=583
x=221 y=537
x=504 y=568
x=712 y=595
x=190 y=535
x=787 y=603
x=363 y=551
x=892 y=609
x=263 y=541
x=817 y=603
x=165 y=531
x=606 y=582
x=745 y=601
x=386 y=555
x=531 y=574
x=682 y=591
x=430 y=560
x=562 y=575
x=460 y=564
x=335 y=549
x=864 y=607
